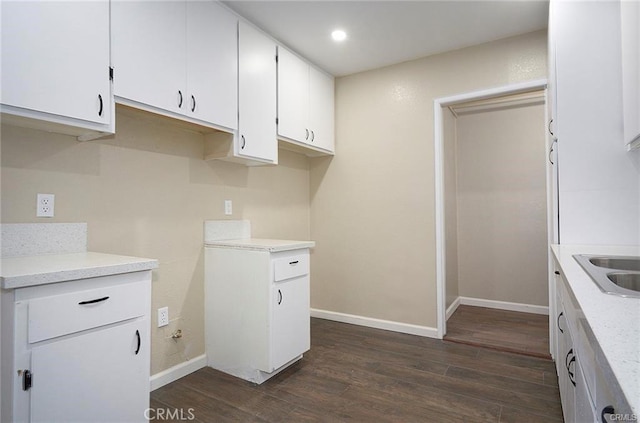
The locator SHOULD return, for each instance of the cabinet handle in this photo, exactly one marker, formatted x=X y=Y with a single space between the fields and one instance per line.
x=193 y=103
x=293 y=262
x=556 y=272
x=279 y=297
x=559 y=328
x=306 y=136
x=551 y=152
x=569 y=372
x=101 y=105
x=243 y=142
x=313 y=135
x=549 y=127
x=179 y=99
x=97 y=300
x=138 y=336
x=607 y=410
x=26 y=380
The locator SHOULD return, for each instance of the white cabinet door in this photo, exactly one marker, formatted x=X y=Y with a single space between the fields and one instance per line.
x=55 y=58
x=585 y=412
x=293 y=96
x=290 y=330
x=630 y=28
x=321 y=109
x=212 y=64
x=257 y=96
x=149 y=55
x=101 y=375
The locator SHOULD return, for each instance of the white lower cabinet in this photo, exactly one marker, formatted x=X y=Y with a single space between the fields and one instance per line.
x=580 y=380
x=80 y=351
x=256 y=310
x=85 y=377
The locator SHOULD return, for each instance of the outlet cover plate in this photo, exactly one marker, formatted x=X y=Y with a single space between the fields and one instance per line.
x=45 y=205
x=163 y=316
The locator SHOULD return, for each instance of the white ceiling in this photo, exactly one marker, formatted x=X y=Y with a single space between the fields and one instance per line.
x=381 y=33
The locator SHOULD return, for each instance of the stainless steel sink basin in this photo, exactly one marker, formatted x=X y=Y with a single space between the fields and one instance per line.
x=614 y=275
x=626 y=280
x=619 y=263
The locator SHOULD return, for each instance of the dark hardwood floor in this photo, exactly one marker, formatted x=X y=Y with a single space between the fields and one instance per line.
x=359 y=374
x=510 y=331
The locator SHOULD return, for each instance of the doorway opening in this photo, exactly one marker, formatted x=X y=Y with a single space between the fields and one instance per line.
x=493 y=218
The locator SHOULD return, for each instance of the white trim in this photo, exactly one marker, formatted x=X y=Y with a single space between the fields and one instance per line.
x=176 y=372
x=453 y=307
x=504 y=305
x=370 y=322
x=438 y=144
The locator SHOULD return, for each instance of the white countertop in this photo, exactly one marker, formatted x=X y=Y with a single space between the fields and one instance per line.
x=19 y=272
x=271 y=245
x=614 y=320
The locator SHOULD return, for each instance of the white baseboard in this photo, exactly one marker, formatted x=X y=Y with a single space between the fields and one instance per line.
x=453 y=307
x=376 y=323
x=504 y=305
x=176 y=372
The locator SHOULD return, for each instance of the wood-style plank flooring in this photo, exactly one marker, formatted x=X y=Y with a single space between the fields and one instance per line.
x=359 y=374
x=511 y=331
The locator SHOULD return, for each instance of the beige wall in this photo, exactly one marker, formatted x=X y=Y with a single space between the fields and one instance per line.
x=372 y=205
x=502 y=204
x=450 y=205
x=146 y=193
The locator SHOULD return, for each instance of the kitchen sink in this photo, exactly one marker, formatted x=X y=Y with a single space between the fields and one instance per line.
x=626 y=280
x=616 y=275
x=619 y=263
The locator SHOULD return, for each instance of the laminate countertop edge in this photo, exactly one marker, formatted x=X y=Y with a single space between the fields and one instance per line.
x=25 y=271
x=259 y=244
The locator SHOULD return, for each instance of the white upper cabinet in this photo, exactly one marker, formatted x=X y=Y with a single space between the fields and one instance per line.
x=177 y=58
x=293 y=97
x=305 y=103
x=321 y=109
x=212 y=63
x=149 y=55
x=630 y=28
x=55 y=64
x=256 y=137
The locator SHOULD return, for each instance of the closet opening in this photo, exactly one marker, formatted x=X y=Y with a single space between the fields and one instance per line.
x=495 y=219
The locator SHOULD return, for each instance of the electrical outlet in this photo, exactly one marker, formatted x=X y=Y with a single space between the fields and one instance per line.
x=228 y=207
x=163 y=316
x=45 y=205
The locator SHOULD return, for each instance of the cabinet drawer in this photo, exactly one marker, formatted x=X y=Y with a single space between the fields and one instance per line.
x=291 y=267
x=59 y=315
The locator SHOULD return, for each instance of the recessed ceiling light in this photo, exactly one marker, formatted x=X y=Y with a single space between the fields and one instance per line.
x=338 y=35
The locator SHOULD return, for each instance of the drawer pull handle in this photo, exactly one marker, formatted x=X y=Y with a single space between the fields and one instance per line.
x=138 y=336
x=279 y=297
x=97 y=300
x=293 y=263
x=607 y=410
x=559 y=328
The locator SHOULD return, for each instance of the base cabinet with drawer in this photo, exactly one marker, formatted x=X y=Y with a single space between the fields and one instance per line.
x=80 y=350
x=256 y=310
x=586 y=393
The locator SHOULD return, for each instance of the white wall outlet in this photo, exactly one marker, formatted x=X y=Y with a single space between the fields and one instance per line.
x=45 y=205
x=163 y=316
x=228 y=207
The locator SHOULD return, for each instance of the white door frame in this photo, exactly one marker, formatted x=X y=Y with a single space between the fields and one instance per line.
x=438 y=104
